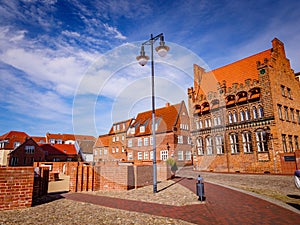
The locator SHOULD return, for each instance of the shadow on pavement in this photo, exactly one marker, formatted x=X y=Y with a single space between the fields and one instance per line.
x=50 y=197
x=180 y=179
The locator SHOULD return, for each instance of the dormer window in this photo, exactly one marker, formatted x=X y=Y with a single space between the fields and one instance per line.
x=132 y=130
x=142 y=128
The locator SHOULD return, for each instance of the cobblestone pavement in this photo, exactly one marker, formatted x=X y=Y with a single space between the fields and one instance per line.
x=175 y=203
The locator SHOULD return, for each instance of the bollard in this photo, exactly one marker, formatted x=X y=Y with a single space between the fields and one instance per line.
x=200 y=188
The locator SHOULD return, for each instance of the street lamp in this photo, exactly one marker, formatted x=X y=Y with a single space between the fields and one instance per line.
x=162 y=50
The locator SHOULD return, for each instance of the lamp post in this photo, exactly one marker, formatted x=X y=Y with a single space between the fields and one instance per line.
x=162 y=50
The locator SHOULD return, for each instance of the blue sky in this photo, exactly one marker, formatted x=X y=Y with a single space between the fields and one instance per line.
x=69 y=66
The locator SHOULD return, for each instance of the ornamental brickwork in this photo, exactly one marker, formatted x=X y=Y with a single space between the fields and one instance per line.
x=245 y=115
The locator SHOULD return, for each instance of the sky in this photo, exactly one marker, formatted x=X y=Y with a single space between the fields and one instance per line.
x=69 y=66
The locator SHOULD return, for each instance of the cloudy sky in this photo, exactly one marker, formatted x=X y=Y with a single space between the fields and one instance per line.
x=69 y=65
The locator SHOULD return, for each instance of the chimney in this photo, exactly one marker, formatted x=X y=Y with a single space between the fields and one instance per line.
x=168 y=104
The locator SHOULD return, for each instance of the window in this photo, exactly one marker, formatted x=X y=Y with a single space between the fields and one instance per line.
x=118 y=126
x=282 y=90
x=292 y=115
x=197 y=125
x=142 y=128
x=164 y=155
x=151 y=140
x=105 y=151
x=242 y=115
x=113 y=139
x=247 y=146
x=247 y=114
x=200 y=146
x=209 y=145
x=289 y=93
x=230 y=118
x=146 y=155
x=286 y=113
x=215 y=121
x=100 y=151
x=96 y=152
x=14 y=161
x=180 y=139
x=117 y=149
x=114 y=127
x=113 y=150
x=284 y=142
x=130 y=156
x=207 y=122
x=132 y=130
x=151 y=155
x=260 y=112
x=123 y=149
x=123 y=137
x=279 y=107
x=219 y=144
x=296 y=143
x=146 y=141
x=234 y=146
x=200 y=124
x=52 y=141
x=234 y=116
x=298 y=116
x=58 y=141
x=140 y=156
x=254 y=111
x=291 y=149
x=129 y=143
x=117 y=138
x=16 y=144
x=261 y=141
x=140 y=142
x=188 y=155
x=180 y=156
x=29 y=149
x=189 y=140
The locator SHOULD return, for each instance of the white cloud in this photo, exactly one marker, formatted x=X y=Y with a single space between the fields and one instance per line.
x=114 y=31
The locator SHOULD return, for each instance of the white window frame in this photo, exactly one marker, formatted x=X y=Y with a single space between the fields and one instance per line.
x=233 y=137
x=219 y=144
x=247 y=144
x=188 y=155
x=200 y=147
x=129 y=143
x=164 y=155
x=180 y=139
x=209 y=145
x=180 y=155
x=146 y=141
x=140 y=142
x=140 y=156
x=261 y=141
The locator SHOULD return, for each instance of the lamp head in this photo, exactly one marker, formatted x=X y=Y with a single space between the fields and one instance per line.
x=142 y=58
x=162 y=49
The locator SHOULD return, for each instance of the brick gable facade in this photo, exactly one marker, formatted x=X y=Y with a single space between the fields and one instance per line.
x=234 y=110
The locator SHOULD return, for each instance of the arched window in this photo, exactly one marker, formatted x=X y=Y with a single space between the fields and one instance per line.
x=247 y=144
x=260 y=112
x=230 y=118
x=261 y=140
x=254 y=111
x=242 y=115
x=234 y=143
x=247 y=114
x=209 y=145
x=200 y=146
x=234 y=116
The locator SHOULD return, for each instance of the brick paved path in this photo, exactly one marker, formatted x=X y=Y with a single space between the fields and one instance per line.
x=222 y=206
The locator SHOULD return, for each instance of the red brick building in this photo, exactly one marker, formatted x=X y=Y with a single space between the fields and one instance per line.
x=8 y=142
x=26 y=154
x=172 y=135
x=60 y=152
x=245 y=115
x=132 y=140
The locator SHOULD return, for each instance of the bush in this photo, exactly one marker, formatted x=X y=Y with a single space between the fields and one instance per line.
x=172 y=163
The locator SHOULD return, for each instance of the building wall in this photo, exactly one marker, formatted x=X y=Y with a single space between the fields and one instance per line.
x=16 y=187
x=23 y=158
x=272 y=74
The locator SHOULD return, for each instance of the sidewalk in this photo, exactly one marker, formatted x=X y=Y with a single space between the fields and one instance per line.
x=222 y=206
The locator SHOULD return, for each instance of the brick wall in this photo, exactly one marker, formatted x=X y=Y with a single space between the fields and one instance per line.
x=16 y=187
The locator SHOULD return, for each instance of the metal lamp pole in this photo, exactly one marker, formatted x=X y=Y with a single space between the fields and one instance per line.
x=162 y=50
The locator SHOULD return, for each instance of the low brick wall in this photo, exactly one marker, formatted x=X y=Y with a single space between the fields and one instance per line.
x=16 y=187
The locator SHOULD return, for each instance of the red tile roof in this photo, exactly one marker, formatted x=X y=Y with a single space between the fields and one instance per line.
x=236 y=72
x=59 y=149
x=166 y=118
x=102 y=141
x=122 y=129
x=14 y=134
x=66 y=137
